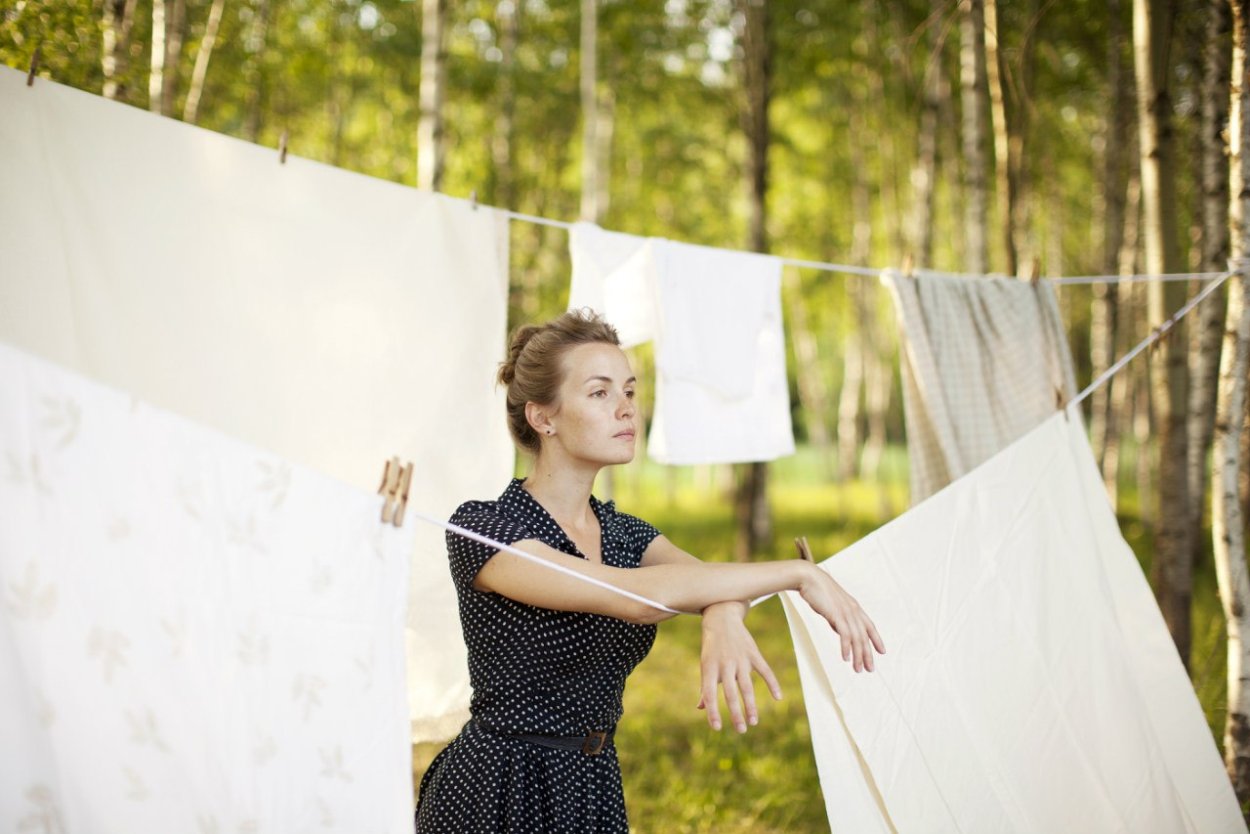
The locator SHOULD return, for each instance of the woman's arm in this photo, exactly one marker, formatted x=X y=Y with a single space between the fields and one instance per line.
x=728 y=654
x=686 y=586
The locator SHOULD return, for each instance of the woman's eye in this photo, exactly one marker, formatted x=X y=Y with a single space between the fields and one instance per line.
x=629 y=394
x=599 y=393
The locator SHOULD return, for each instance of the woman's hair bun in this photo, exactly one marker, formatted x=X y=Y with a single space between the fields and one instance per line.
x=533 y=370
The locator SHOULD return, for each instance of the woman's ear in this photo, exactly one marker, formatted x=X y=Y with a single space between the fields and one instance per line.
x=539 y=418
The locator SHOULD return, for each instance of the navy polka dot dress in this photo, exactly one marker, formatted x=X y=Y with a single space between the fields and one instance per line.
x=534 y=671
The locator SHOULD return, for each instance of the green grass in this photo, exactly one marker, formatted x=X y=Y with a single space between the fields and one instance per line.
x=682 y=777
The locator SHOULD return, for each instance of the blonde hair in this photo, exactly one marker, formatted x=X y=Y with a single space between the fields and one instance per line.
x=534 y=371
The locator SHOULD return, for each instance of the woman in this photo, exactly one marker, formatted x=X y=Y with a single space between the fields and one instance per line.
x=548 y=653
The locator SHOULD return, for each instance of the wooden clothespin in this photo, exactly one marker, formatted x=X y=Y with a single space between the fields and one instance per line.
x=396 y=481
x=1061 y=402
x=1035 y=271
x=805 y=552
x=473 y=199
x=909 y=265
x=282 y=147
x=34 y=67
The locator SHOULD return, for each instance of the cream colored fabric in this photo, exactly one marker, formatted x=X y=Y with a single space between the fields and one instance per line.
x=715 y=317
x=982 y=361
x=195 y=634
x=614 y=274
x=1030 y=683
x=330 y=318
x=720 y=355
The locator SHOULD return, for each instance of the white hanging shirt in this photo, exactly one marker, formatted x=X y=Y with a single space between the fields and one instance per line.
x=722 y=395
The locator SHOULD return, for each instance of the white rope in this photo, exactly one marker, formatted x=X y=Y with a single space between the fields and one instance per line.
x=607 y=586
x=871 y=272
x=1154 y=336
x=1124 y=279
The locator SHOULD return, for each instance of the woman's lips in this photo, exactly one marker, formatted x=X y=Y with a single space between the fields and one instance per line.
x=625 y=434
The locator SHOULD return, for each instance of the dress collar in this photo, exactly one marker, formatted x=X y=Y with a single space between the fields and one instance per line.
x=517 y=501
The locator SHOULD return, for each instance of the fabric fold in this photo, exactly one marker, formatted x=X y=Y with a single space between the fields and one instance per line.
x=1030 y=683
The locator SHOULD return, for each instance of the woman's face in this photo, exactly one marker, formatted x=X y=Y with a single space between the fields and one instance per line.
x=594 y=418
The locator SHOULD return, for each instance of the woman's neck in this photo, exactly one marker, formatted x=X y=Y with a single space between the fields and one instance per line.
x=564 y=491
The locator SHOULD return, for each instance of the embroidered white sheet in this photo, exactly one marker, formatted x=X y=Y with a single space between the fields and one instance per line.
x=1029 y=685
x=195 y=635
x=982 y=360
x=330 y=318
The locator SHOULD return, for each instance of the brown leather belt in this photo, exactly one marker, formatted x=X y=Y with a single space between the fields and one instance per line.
x=592 y=744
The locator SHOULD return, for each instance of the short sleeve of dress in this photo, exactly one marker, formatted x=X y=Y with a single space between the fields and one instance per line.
x=638 y=533
x=468 y=556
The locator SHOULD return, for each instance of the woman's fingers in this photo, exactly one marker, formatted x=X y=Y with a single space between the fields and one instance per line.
x=764 y=671
x=729 y=682
x=708 y=700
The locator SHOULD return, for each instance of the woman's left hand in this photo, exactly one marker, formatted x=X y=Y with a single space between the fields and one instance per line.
x=729 y=657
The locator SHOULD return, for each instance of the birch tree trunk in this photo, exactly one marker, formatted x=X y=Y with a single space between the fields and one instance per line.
x=156 y=62
x=972 y=85
x=751 y=510
x=1172 y=569
x=924 y=171
x=191 y=107
x=1003 y=184
x=1228 y=530
x=1105 y=309
x=119 y=16
x=500 y=193
x=861 y=247
x=433 y=83
x=590 y=210
x=175 y=33
x=254 y=69
x=1121 y=393
x=1209 y=321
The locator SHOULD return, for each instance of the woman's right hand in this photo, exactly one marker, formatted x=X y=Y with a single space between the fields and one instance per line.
x=831 y=601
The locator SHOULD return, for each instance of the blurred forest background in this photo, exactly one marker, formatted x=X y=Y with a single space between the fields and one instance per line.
x=973 y=136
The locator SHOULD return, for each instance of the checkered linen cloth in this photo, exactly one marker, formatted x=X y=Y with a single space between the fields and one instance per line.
x=983 y=362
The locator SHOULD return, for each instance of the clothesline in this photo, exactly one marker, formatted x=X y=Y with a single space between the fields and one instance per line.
x=1154 y=336
x=872 y=272
x=607 y=586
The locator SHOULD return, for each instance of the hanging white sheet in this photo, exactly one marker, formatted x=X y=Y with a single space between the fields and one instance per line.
x=720 y=355
x=196 y=635
x=715 y=316
x=330 y=318
x=983 y=360
x=614 y=275
x=1030 y=683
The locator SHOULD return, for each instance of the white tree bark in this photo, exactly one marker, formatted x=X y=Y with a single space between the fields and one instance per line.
x=191 y=107
x=1228 y=531
x=156 y=63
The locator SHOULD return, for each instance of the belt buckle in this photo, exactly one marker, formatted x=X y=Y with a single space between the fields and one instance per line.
x=595 y=741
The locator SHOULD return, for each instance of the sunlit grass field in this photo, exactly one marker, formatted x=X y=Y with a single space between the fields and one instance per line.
x=682 y=777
